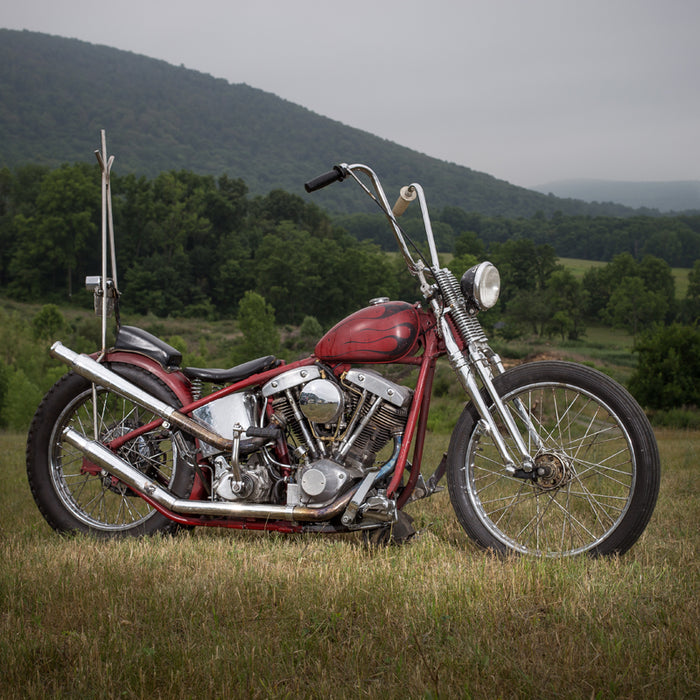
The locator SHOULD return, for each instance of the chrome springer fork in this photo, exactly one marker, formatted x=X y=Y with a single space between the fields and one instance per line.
x=468 y=327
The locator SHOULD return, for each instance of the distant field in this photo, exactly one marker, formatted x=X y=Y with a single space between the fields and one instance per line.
x=680 y=275
x=579 y=267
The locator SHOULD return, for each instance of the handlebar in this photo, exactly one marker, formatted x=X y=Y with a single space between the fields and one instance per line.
x=336 y=175
x=406 y=196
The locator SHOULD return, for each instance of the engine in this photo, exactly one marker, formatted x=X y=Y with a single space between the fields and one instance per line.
x=334 y=430
x=338 y=428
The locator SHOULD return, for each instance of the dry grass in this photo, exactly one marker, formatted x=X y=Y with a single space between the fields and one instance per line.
x=223 y=614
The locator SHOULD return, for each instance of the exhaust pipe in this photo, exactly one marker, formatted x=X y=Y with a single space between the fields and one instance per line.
x=139 y=482
x=97 y=373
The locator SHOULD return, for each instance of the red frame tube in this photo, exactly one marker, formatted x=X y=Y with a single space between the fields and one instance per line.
x=421 y=404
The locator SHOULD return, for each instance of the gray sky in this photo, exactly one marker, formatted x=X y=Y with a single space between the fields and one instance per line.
x=530 y=91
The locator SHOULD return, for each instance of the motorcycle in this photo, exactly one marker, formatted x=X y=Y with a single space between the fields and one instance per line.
x=548 y=458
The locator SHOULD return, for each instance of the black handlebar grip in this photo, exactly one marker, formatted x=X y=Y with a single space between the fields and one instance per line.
x=335 y=175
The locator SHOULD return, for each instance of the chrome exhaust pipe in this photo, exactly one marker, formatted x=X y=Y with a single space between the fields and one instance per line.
x=97 y=373
x=139 y=482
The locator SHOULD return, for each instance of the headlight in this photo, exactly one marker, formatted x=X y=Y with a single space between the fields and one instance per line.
x=482 y=283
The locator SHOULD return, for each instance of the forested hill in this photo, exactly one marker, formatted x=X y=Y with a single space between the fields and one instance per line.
x=56 y=95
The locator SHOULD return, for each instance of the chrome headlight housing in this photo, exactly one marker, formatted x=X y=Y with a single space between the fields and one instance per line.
x=482 y=284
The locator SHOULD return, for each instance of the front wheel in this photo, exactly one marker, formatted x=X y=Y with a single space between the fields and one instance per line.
x=596 y=475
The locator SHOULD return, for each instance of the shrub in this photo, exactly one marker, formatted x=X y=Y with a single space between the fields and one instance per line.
x=668 y=372
x=20 y=403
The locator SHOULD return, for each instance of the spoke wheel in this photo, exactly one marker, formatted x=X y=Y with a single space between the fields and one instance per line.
x=76 y=495
x=596 y=474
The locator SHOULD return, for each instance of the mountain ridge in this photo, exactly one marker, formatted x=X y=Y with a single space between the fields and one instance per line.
x=59 y=93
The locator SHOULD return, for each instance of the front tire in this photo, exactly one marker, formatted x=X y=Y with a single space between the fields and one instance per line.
x=597 y=454
x=76 y=496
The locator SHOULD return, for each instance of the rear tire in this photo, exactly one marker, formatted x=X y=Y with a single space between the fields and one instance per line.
x=598 y=453
x=76 y=496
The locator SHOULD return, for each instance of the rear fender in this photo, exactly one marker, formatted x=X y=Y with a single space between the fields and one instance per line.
x=176 y=381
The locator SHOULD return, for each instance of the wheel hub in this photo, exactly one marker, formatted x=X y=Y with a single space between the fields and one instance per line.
x=550 y=471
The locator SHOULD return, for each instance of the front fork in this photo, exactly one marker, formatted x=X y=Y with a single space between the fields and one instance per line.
x=513 y=463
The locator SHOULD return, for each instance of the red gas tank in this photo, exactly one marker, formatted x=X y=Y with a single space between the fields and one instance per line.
x=383 y=332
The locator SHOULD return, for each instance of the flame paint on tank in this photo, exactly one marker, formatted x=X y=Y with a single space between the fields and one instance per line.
x=379 y=333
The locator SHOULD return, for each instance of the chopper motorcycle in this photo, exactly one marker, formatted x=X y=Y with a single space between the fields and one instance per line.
x=548 y=458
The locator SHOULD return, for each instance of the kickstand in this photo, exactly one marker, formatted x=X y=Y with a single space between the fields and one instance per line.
x=397 y=533
x=432 y=485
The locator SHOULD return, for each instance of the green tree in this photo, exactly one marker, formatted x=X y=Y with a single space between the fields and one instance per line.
x=227 y=206
x=525 y=270
x=600 y=282
x=59 y=241
x=461 y=263
x=48 y=322
x=566 y=300
x=372 y=227
x=310 y=330
x=658 y=277
x=256 y=320
x=690 y=306
x=634 y=307
x=562 y=324
x=233 y=278
x=529 y=310
x=469 y=250
x=468 y=243
x=304 y=341
x=668 y=371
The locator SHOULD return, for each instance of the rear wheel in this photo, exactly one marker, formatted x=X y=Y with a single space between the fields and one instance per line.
x=75 y=495
x=596 y=474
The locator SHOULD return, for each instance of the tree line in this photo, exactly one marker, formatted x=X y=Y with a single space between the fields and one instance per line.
x=187 y=245
x=675 y=239
x=191 y=244
x=198 y=246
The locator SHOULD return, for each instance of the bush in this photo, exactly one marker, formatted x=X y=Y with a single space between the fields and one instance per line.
x=668 y=372
x=256 y=319
x=21 y=401
x=4 y=384
x=678 y=418
x=48 y=323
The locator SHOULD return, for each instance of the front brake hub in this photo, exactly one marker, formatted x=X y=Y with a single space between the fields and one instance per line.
x=550 y=471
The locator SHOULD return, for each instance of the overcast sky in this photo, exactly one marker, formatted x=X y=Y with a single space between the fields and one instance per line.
x=530 y=91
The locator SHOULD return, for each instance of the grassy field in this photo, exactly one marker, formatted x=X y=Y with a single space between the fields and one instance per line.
x=223 y=614
x=236 y=615
x=579 y=267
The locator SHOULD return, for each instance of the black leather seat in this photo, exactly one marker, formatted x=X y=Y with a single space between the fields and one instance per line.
x=234 y=374
x=132 y=339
